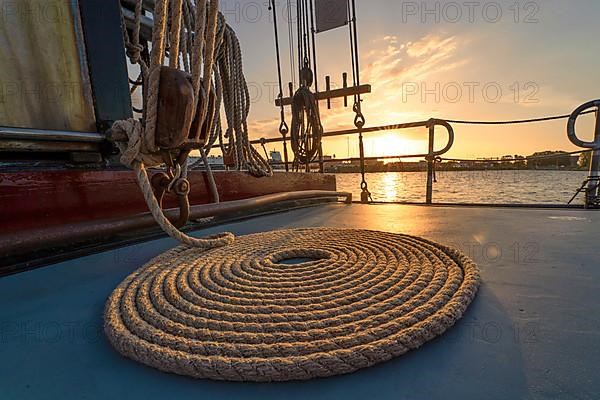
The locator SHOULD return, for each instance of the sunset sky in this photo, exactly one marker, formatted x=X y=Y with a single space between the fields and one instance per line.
x=455 y=60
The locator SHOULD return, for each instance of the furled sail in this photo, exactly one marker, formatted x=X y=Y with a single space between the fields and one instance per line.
x=331 y=14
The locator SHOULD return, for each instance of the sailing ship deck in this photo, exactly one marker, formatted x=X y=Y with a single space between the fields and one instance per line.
x=532 y=332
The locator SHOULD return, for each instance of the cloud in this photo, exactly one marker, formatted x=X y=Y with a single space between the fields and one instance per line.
x=389 y=67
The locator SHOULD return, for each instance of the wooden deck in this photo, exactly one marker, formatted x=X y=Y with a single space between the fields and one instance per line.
x=532 y=332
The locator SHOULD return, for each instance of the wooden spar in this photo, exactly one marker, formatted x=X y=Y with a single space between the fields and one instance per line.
x=332 y=94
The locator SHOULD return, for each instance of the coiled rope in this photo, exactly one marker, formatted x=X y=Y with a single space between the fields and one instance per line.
x=242 y=313
x=307 y=131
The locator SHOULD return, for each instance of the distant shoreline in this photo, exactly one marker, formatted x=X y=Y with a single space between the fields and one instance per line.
x=464 y=170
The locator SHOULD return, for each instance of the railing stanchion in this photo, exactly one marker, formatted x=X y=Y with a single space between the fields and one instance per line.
x=593 y=192
x=321 y=163
x=430 y=164
x=364 y=197
x=592 y=195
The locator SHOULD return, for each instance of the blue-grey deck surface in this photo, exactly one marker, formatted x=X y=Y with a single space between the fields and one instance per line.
x=532 y=332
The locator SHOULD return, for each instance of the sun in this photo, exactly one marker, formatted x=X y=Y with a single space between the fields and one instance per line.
x=393 y=144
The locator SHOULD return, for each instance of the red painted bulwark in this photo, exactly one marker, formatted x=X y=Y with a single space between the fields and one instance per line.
x=30 y=200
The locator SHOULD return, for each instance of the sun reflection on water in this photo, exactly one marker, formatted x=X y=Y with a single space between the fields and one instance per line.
x=390 y=186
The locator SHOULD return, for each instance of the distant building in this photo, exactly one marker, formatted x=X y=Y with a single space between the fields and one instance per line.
x=276 y=157
x=216 y=160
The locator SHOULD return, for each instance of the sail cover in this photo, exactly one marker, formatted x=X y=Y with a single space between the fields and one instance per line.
x=331 y=14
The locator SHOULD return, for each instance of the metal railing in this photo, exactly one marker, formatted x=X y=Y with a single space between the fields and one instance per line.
x=592 y=185
x=432 y=156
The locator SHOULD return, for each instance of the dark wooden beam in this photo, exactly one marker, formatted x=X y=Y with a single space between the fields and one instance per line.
x=332 y=94
x=103 y=33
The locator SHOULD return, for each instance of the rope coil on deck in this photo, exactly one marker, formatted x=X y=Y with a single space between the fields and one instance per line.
x=239 y=313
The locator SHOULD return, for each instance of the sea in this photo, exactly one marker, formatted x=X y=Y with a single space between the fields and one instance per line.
x=476 y=187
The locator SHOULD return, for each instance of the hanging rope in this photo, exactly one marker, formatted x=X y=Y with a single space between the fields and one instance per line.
x=190 y=32
x=283 y=127
x=223 y=68
x=359 y=119
x=307 y=130
x=291 y=42
x=236 y=100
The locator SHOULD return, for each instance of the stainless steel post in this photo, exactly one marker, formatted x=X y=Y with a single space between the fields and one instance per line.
x=593 y=190
x=592 y=196
x=430 y=165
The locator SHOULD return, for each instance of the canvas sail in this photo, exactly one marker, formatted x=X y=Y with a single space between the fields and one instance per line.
x=331 y=14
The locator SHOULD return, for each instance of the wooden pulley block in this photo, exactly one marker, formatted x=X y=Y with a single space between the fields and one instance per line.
x=175 y=109
x=199 y=135
x=229 y=160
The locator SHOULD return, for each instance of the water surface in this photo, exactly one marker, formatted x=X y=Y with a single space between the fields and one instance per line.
x=490 y=187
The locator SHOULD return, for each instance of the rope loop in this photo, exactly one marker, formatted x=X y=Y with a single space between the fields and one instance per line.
x=134 y=52
x=208 y=243
x=307 y=130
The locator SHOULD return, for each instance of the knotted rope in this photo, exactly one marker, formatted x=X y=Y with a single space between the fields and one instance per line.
x=215 y=63
x=241 y=314
x=190 y=31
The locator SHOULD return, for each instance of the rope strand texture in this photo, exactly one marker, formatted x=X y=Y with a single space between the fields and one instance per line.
x=239 y=313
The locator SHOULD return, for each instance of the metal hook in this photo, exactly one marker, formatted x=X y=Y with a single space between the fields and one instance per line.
x=162 y=184
x=359 y=120
x=284 y=129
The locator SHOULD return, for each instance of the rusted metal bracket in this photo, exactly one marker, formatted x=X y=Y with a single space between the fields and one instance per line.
x=163 y=183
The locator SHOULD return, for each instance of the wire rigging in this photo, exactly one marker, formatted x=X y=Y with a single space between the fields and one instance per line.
x=291 y=42
x=517 y=121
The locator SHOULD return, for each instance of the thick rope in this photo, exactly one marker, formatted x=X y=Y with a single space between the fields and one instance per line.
x=307 y=131
x=198 y=35
x=211 y=178
x=141 y=151
x=220 y=240
x=209 y=49
x=241 y=313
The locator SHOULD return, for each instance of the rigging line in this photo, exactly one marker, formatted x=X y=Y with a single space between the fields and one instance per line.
x=304 y=33
x=351 y=48
x=307 y=45
x=314 y=46
x=514 y=122
x=299 y=26
x=291 y=42
x=356 y=53
x=278 y=54
x=302 y=37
